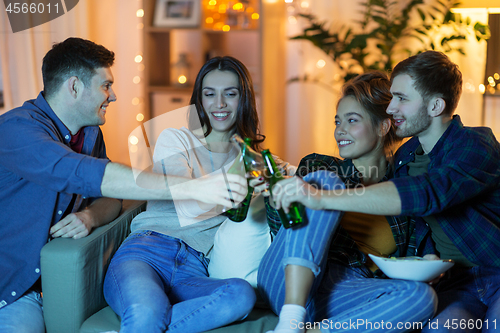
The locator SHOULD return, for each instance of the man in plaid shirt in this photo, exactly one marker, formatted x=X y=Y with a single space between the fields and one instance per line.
x=447 y=179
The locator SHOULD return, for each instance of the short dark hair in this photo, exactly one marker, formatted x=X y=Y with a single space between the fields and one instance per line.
x=247 y=119
x=372 y=91
x=435 y=75
x=73 y=57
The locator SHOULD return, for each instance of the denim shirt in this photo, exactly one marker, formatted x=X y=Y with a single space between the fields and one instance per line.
x=39 y=173
x=461 y=190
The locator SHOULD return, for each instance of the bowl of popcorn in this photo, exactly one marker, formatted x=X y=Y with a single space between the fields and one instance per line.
x=412 y=268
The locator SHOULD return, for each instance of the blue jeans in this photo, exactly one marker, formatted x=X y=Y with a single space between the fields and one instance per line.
x=469 y=301
x=25 y=315
x=157 y=283
x=340 y=296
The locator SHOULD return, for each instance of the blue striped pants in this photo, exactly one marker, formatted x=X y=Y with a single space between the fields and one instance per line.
x=342 y=299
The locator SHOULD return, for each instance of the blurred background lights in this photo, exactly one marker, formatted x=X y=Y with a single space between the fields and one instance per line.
x=140 y=13
x=136 y=101
x=292 y=20
x=136 y=79
x=139 y=117
x=138 y=58
x=212 y=2
x=255 y=16
x=182 y=79
x=304 y=4
x=133 y=140
x=226 y=28
x=482 y=88
x=321 y=63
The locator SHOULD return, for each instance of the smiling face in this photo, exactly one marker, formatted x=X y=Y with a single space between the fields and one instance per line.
x=220 y=99
x=354 y=131
x=408 y=108
x=96 y=97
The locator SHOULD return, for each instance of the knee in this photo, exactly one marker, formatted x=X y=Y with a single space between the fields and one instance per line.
x=143 y=318
x=326 y=180
x=425 y=298
x=242 y=296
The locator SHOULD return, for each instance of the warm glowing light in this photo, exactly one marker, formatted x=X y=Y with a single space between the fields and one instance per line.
x=496 y=76
x=250 y=10
x=226 y=28
x=138 y=58
x=218 y=26
x=182 y=79
x=209 y=20
x=136 y=79
x=255 y=16
x=139 y=117
x=491 y=79
x=292 y=20
x=135 y=101
x=493 y=84
x=482 y=88
x=238 y=6
x=140 y=13
x=288 y=1
x=304 y=4
x=212 y=3
x=222 y=9
x=469 y=87
x=321 y=63
x=133 y=140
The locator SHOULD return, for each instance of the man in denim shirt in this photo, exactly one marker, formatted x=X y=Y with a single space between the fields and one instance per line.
x=55 y=177
x=447 y=178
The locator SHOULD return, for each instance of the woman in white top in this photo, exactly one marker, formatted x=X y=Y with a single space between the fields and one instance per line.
x=158 y=279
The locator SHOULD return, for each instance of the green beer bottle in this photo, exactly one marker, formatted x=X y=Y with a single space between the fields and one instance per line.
x=240 y=166
x=296 y=216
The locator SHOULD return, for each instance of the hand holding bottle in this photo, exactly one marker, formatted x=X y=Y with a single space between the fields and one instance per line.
x=295 y=189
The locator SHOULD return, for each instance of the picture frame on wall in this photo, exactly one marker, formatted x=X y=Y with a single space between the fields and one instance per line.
x=177 y=13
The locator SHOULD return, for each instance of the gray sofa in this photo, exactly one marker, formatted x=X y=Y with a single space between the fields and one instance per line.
x=73 y=273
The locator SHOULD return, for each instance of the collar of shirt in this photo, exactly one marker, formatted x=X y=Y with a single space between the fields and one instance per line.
x=44 y=106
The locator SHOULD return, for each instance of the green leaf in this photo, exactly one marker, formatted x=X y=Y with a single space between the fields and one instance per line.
x=422 y=14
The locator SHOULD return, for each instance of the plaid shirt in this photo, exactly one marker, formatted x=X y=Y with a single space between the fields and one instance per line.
x=343 y=248
x=461 y=190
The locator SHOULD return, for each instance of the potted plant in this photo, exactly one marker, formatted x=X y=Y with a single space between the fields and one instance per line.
x=390 y=26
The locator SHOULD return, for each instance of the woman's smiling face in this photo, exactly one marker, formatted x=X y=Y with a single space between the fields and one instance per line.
x=220 y=99
x=354 y=131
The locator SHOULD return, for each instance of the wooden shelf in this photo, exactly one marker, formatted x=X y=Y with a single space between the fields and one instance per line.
x=163 y=45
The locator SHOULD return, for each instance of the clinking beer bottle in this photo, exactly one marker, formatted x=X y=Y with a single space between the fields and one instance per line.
x=241 y=166
x=296 y=216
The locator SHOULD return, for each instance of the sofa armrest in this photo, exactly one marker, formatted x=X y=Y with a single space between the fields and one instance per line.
x=73 y=271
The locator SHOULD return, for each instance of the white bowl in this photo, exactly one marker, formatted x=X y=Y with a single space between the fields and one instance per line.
x=412 y=268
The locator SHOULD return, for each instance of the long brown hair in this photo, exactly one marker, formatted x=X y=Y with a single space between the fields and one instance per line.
x=247 y=120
